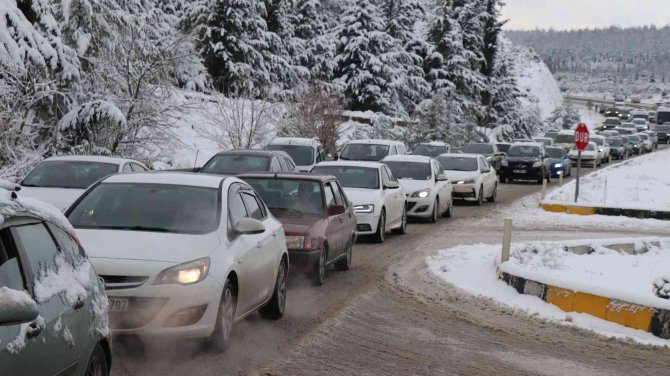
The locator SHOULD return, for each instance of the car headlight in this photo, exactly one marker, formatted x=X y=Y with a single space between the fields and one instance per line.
x=558 y=165
x=295 y=242
x=504 y=162
x=537 y=164
x=422 y=193
x=184 y=274
x=364 y=208
x=489 y=158
x=600 y=149
x=471 y=181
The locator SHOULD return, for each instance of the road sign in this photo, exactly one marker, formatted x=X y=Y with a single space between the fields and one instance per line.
x=582 y=137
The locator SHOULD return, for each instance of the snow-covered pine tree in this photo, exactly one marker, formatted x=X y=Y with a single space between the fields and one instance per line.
x=316 y=49
x=492 y=28
x=564 y=117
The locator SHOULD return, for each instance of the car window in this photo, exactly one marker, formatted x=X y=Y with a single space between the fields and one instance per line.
x=41 y=250
x=68 y=174
x=339 y=199
x=236 y=208
x=275 y=166
x=385 y=176
x=252 y=206
x=282 y=164
x=10 y=270
x=338 y=189
x=127 y=168
x=67 y=244
x=394 y=150
x=330 y=197
x=233 y=164
x=483 y=165
x=137 y=168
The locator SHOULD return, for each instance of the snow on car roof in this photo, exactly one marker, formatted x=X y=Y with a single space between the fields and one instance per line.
x=407 y=158
x=90 y=158
x=434 y=143
x=294 y=141
x=163 y=177
x=12 y=205
x=352 y=164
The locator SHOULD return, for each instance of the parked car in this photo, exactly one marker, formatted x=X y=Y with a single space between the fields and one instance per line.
x=53 y=309
x=603 y=147
x=641 y=125
x=183 y=255
x=565 y=140
x=646 y=142
x=235 y=162
x=472 y=177
x=378 y=198
x=429 y=191
x=590 y=155
x=431 y=149
x=489 y=151
x=619 y=148
x=545 y=140
x=653 y=137
x=305 y=152
x=526 y=161
x=560 y=162
x=59 y=181
x=611 y=123
x=503 y=147
x=371 y=150
x=638 y=145
x=318 y=219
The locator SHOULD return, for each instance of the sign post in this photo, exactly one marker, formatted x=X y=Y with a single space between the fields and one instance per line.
x=582 y=138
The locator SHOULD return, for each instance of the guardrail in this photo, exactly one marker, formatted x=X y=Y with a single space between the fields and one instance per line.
x=608 y=102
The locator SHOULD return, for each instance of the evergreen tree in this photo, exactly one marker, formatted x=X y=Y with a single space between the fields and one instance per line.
x=492 y=29
x=315 y=50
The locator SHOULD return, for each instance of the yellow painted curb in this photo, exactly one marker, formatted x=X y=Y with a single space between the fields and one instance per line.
x=593 y=305
x=630 y=315
x=561 y=298
x=578 y=210
x=555 y=208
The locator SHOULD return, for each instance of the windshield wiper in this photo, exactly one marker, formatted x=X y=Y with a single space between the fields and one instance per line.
x=138 y=228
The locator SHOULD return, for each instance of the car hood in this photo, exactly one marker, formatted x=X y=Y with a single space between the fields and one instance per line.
x=61 y=198
x=147 y=246
x=361 y=196
x=410 y=186
x=296 y=224
x=455 y=176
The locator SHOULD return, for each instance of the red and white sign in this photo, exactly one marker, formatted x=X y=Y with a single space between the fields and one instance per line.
x=582 y=137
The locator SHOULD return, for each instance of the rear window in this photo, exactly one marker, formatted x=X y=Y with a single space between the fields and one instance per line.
x=68 y=174
x=478 y=149
x=234 y=164
x=565 y=138
x=364 y=152
x=302 y=155
x=352 y=176
x=430 y=150
x=289 y=196
x=410 y=170
x=458 y=163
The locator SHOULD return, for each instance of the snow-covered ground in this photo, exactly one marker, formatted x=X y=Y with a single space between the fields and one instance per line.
x=640 y=183
x=592 y=119
x=472 y=268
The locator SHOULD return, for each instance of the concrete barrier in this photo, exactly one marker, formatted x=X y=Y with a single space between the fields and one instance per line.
x=616 y=212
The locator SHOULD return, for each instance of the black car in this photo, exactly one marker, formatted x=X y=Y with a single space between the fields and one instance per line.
x=619 y=147
x=493 y=156
x=235 y=162
x=663 y=132
x=611 y=123
x=526 y=161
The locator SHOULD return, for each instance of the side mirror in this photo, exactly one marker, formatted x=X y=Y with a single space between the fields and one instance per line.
x=21 y=307
x=441 y=177
x=392 y=185
x=249 y=226
x=485 y=171
x=336 y=210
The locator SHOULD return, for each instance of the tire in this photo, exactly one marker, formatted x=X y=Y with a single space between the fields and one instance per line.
x=450 y=211
x=97 y=363
x=344 y=264
x=380 y=235
x=494 y=195
x=435 y=216
x=275 y=308
x=402 y=230
x=319 y=273
x=480 y=196
x=220 y=339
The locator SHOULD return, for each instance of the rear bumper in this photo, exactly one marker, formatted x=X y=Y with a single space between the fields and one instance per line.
x=515 y=172
x=303 y=261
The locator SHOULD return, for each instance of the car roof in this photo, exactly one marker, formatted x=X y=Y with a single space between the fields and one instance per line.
x=170 y=178
x=289 y=175
x=13 y=204
x=552 y=148
x=542 y=138
x=460 y=155
x=407 y=158
x=91 y=158
x=434 y=143
x=255 y=152
x=376 y=142
x=352 y=163
x=299 y=141
x=528 y=144
x=566 y=132
x=598 y=136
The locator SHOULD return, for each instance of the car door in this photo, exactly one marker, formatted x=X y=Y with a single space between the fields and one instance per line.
x=392 y=198
x=441 y=187
x=348 y=218
x=341 y=219
x=334 y=224
x=488 y=177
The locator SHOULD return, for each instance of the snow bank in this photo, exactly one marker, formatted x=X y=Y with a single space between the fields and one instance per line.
x=472 y=268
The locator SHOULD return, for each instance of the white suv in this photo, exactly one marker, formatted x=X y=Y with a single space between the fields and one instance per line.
x=306 y=152
x=183 y=254
x=371 y=150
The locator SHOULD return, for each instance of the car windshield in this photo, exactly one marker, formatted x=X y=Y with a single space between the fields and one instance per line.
x=430 y=150
x=598 y=141
x=503 y=147
x=616 y=141
x=289 y=196
x=364 y=152
x=612 y=121
x=68 y=174
x=663 y=128
x=644 y=137
x=478 y=149
x=555 y=153
x=302 y=155
x=148 y=207
x=410 y=170
x=634 y=138
x=529 y=151
x=639 y=121
x=628 y=125
x=565 y=138
x=458 y=163
x=590 y=147
x=233 y=164
x=352 y=176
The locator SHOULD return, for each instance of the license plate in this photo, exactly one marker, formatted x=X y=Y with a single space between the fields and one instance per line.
x=519 y=171
x=118 y=305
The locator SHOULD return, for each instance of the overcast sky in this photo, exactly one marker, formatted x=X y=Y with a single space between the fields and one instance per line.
x=572 y=14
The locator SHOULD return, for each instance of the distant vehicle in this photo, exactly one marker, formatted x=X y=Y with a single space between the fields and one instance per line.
x=619 y=148
x=646 y=142
x=624 y=114
x=611 y=123
x=663 y=115
x=429 y=191
x=603 y=147
x=318 y=219
x=610 y=133
x=379 y=199
x=371 y=150
x=590 y=155
x=636 y=99
x=235 y=162
x=640 y=114
x=628 y=125
x=626 y=131
x=526 y=161
x=305 y=152
x=431 y=149
x=503 y=147
x=59 y=181
x=183 y=255
x=545 y=140
x=560 y=162
x=619 y=98
x=565 y=140
x=638 y=145
x=641 y=124
x=523 y=140
x=663 y=132
x=551 y=134
x=612 y=112
x=490 y=151
x=653 y=136
x=472 y=177
x=652 y=116
x=62 y=328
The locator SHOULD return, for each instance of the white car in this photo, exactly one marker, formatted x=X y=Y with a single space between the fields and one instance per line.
x=431 y=149
x=306 y=152
x=641 y=124
x=378 y=198
x=646 y=141
x=590 y=155
x=429 y=191
x=371 y=150
x=183 y=255
x=59 y=181
x=604 y=149
x=472 y=176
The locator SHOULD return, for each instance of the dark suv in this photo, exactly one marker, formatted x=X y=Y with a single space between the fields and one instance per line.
x=235 y=162
x=493 y=156
x=319 y=221
x=526 y=161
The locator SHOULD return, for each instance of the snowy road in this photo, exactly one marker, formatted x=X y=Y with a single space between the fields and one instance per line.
x=388 y=315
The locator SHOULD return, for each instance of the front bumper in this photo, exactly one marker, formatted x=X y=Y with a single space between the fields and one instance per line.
x=465 y=191
x=302 y=260
x=509 y=172
x=366 y=223
x=420 y=207
x=555 y=171
x=585 y=160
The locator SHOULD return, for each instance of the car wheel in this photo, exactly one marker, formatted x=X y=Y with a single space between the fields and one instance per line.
x=97 y=364
x=403 y=223
x=450 y=211
x=320 y=268
x=274 y=310
x=220 y=339
x=436 y=212
x=344 y=264
x=480 y=196
x=494 y=195
x=380 y=235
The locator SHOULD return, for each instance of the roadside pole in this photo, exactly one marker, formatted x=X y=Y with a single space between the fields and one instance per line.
x=579 y=169
x=507 y=240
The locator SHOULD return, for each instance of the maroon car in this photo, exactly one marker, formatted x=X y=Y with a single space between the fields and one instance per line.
x=318 y=219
